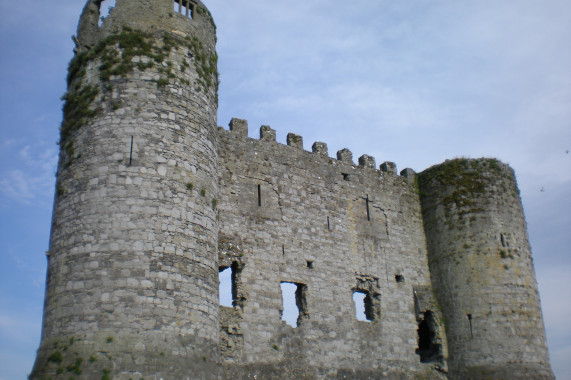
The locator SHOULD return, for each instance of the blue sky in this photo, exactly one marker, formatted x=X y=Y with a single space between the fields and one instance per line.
x=414 y=82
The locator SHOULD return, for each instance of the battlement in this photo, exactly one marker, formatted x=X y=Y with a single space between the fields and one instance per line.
x=238 y=130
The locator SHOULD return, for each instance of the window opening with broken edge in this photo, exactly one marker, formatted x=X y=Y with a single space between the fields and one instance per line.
x=294 y=303
x=363 y=306
x=429 y=349
x=105 y=7
x=228 y=286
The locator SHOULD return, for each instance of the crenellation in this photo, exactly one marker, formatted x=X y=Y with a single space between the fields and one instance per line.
x=408 y=173
x=424 y=275
x=239 y=127
x=320 y=148
x=345 y=155
x=367 y=161
x=389 y=167
x=267 y=133
x=294 y=140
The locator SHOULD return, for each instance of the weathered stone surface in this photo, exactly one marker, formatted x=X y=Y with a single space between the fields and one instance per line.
x=153 y=200
x=389 y=167
x=482 y=272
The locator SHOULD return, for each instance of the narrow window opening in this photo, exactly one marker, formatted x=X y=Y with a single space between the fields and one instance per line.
x=225 y=294
x=399 y=278
x=428 y=347
x=259 y=196
x=283 y=250
x=503 y=239
x=367 y=299
x=294 y=303
x=104 y=9
x=328 y=224
x=228 y=286
x=310 y=264
x=359 y=300
x=368 y=211
x=364 y=306
x=184 y=8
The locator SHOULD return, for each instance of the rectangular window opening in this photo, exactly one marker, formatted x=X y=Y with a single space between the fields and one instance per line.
x=362 y=302
x=228 y=286
x=225 y=286
x=294 y=303
x=259 y=196
x=367 y=300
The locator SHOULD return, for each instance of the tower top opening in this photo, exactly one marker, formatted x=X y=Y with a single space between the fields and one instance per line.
x=101 y=18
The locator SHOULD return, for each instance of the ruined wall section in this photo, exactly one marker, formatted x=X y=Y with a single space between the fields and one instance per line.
x=332 y=228
x=482 y=271
x=151 y=16
x=132 y=286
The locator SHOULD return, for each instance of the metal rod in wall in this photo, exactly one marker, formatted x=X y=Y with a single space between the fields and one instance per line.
x=131 y=152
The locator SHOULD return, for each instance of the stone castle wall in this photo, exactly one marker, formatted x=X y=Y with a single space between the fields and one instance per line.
x=153 y=200
x=333 y=228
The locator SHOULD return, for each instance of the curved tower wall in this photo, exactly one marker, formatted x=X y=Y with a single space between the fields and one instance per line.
x=132 y=287
x=482 y=271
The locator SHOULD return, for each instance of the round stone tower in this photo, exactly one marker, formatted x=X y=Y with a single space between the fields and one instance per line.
x=482 y=271
x=132 y=284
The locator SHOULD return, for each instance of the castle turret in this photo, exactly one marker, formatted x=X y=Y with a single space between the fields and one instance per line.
x=482 y=271
x=132 y=286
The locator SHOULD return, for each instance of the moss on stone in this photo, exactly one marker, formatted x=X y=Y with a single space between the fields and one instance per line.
x=77 y=110
x=116 y=55
x=469 y=179
x=55 y=357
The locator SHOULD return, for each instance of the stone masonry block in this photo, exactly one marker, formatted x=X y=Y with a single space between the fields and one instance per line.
x=408 y=173
x=367 y=161
x=267 y=133
x=345 y=155
x=239 y=126
x=295 y=140
x=389 y=167
x=319 y=148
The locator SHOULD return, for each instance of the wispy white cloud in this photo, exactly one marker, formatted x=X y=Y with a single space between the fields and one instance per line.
x=34 y=177
x=17 y=186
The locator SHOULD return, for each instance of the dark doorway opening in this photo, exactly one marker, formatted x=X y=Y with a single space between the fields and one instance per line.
x=429 y=348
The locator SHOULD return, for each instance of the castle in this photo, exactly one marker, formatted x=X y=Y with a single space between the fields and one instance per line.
x=153 y=199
